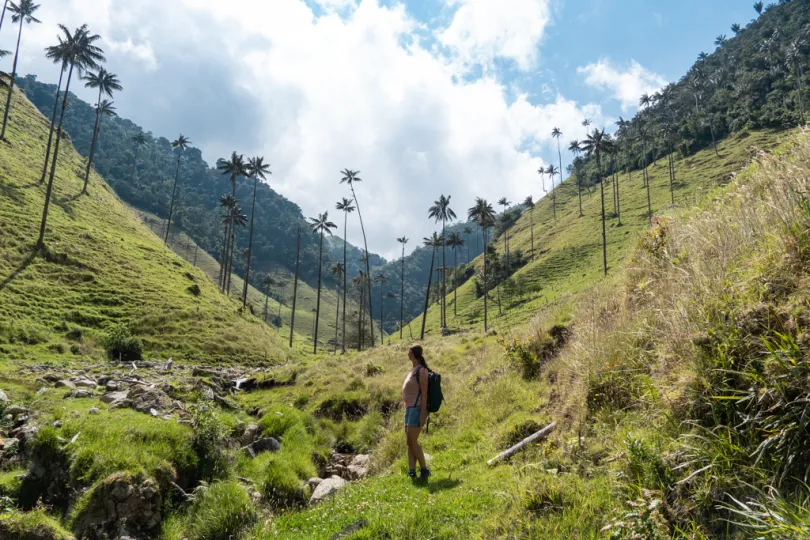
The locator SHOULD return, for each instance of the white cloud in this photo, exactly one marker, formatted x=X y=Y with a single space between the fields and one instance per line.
x=482 y=30
x=315 y=95
x=141 y=51
x=626 y=84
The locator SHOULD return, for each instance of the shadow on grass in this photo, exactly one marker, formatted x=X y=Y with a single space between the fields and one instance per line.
x=17 y=271
x=435 y=486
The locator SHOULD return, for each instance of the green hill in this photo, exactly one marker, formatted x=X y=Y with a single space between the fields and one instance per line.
x=102 y=267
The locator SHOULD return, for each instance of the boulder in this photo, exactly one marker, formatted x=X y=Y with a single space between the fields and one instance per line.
x=93 y=410
x=112 y=398
x=3 y=397
x=84 y=383
x=145 y=399
x=103 y=380
x=122 y=505
x=250 y=434
x=16 y=410
x=202 y=372
x=358 y=468
x=112 y=386
x=79 y=394
x=65 y=384
x=326 y=488
x=314 y=482
x=51 y=377
x=268 y=444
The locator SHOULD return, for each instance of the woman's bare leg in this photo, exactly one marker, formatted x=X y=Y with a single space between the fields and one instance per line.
x=414 y=447
x=411 y=455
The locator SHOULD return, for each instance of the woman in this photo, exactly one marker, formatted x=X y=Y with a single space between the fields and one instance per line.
x=414 y=394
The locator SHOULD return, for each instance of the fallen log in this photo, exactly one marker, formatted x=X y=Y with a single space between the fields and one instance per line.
x=528 y=440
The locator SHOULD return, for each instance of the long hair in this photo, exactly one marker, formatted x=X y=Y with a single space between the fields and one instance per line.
x=418 y=353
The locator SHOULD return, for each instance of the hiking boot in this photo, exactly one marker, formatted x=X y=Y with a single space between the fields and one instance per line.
x=411 y=473
x=424 y=474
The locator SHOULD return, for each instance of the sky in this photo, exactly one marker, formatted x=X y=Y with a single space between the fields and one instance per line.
x=424 y=97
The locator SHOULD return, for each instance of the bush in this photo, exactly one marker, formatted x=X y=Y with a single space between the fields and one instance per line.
x=281 y=485
x=121 y=345
x=220 y=512
x=279 y=420
x=208 y=440
x=351 y=405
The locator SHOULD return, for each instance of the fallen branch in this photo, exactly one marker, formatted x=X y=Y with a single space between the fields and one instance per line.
x=694 y=474
x=528 y=440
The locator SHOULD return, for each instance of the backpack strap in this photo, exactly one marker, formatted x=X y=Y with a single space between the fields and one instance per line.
x=418 y=394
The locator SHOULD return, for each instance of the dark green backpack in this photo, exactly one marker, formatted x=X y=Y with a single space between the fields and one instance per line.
x=435 y=396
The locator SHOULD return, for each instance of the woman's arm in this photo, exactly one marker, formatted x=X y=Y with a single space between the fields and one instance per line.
x=423 y=387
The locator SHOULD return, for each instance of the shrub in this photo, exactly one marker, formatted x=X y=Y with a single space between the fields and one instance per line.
x=281 y=485
x=208 y=439
x=279 y=420
x=350 y=405
x=194 y=289
x=121 y=345
x=220 y=512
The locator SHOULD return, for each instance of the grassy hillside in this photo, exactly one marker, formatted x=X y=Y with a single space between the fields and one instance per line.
x=101 y=268
x=568 y=250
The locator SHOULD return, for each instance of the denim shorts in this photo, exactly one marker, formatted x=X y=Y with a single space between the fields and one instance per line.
x=412 y=416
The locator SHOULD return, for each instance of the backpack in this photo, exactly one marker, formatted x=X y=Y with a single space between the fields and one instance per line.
x=434 y=394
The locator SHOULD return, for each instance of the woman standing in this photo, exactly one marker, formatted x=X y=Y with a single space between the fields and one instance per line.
x=414 y=395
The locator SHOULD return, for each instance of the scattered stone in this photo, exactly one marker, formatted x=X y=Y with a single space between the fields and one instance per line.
x=208 y=394
x=202 y=372
x=114 y=397
x=78 y=394
x=349 y=530
x=314 y=482
x=250 y=434
x=168 y=365
x=16 y=410
x=3 y=397
x=153 y=412
x=57 y=424
x=358 y=468
x=112 y=386
x=103 y=380
x=65 y=384
x=123 y=505
x=84 y=383
x=51 y=377
x=268 y=444
x=94 y=410
x=10 y=446
x=326 y=488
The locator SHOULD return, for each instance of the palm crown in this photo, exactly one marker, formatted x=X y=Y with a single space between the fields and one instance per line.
x=106 y=82
x=598 y=143
x=106 y=108
x=441 y=211
x=455 y=240
x=574 y=147
x=79 y=48
x=434 y=241
x=321 y=224
x=23 y=10
x=345 y=206
x=482 y=213
x=139 y=139
x=234 y=167
x=528 y=202
x=556 y=133
x=257 y=168
x=402 y=240
x=350 y=176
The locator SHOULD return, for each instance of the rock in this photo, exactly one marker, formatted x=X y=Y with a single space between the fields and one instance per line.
x=112 y=386
x=168 y=365
x=122 y=505
x=326 y=488
x=103 y=380
x=51 y=377
x=65 y=384
x=93 y=410
x=350 y=529
x=3 y=397
x=113 y=397
x=250 y=434
x=78 y=394
x=314 y=482
x=358 y=468
x=146 y=399
x=10 y=447
x=84 y=383
x=268 y=444
x=202 y=372
x=16 y=410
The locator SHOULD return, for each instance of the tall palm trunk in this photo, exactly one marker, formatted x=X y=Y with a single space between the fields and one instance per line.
x=484 y=235
x=531 y=228
x=337 y=321
x=553 y=192
x=444 y=278
x=295 y=286
x=3 y=14
x=427 y=294
x=671 y=172
x=11 y=83
x=382 y=311
x=92 y=153
x=368 y=269
x=618 y=178
x=171 y=205
x=250 y=245
x=49 y=190
x=604 y=229
x=361 y=316
x=221 y=280
x=579 y=193
x=345 y=271
x=318 y=301
x=134 y=165
x=402 y=293
x=646 y=179
x=799 y=85
x=53 y=124
x=266 y=300
x=231 y=242
x=455 y=282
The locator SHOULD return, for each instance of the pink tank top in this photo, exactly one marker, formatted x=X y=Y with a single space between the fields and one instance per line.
x=410 y=389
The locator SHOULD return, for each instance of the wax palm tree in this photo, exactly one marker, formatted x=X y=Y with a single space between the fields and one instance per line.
x=402 y=240
x=338 y=270
x=22 y=12
x=107 y=83
x=267 y=282
x=347 y=208
x=258 y=170
x=295 y=284
x=793 y=55
x=179 y=144
x=320 y=226
x=360 y=283
x=552 y=171
x=390 y=296
x=598 y=145
x=556 y=133
x=455 y=242
x=574 y=148
x=484 y=216
x=233 y=168
x=3 y=13
x=226 y=202
x=81 y=54
x=58 y=54
x=138 y=140
x=104 y=108
x=382 y=279
x=758 y=7
x=235 y=218
x=441 y=211
x=720 y=41
x=434 y=242
x=586 y=124
x=351 y=177
x=735 y=28
x=528 y=202
x=503 y=201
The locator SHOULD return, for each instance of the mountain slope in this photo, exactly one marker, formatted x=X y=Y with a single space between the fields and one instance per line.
x=101 y=267
x=568 y=250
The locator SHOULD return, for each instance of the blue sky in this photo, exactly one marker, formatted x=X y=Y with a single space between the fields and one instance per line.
x=425 y=97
